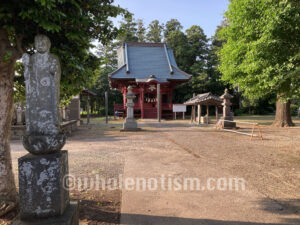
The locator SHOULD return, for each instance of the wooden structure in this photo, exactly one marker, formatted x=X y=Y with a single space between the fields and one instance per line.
x=207 y=99
x=145 y=67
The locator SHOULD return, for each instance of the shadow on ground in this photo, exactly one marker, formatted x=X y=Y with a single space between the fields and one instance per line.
x=281 y=206
x=94 y=213
x=134 y=219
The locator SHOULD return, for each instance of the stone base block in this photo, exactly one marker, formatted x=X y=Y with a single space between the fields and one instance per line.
x=42 y=183
x=229 y=125
x=131 y=129
x=70 y=217
x=130 y=124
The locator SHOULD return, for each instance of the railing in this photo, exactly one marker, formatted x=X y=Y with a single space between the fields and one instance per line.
x=220 y=126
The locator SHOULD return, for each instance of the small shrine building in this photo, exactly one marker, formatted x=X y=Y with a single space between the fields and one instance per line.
x=144 y=66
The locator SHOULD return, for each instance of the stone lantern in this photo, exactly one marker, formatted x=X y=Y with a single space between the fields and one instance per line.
x=227 y=116
x=130 y=124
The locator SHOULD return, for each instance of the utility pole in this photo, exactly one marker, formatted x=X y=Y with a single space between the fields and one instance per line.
x=106 y=107
x=88 y=109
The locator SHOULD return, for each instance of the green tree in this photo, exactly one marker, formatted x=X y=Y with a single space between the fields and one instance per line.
x=214 y=84
x=108 y=57
x=155 y=30
x=172 y=25
x=128 y=29
x=178 y=42
x=71 y=26
x=261 y=53
x=190 y=51
x=141 y=31
x=198 y=48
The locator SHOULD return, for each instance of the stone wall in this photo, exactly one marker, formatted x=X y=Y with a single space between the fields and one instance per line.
x=17 y=131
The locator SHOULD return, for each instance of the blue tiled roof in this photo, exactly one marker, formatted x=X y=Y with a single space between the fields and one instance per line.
x=146 y=59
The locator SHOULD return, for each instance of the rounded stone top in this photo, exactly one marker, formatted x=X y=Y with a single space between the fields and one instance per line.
x=42 y=43
x=226 y=95
x=130 y=94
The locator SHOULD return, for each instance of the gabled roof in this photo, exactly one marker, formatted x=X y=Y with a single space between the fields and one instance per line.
x=87 y=92
x=204 y=99
x=140 y=61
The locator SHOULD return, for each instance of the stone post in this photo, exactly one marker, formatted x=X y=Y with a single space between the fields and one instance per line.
x=19 y=111
x=226 y=110
x=44 y=196
x=207 y=114
x=216 y=112
x=130 y=124
x=199 y=114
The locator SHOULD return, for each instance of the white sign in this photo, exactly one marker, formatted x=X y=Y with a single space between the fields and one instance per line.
x=179 y=108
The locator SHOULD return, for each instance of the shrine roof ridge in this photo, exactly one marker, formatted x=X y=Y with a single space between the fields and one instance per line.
x=138 y=60
x=145 y=44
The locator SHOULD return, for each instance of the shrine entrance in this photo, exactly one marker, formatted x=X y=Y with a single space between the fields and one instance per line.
x=145 y=67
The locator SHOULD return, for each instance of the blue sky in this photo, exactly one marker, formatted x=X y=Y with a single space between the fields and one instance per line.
x=206 y=13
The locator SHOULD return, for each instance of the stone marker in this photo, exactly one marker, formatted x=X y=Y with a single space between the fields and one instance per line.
x=130 y=124
x=42 y=78
x=44 y=197
x=226 y=110
x=19 y=112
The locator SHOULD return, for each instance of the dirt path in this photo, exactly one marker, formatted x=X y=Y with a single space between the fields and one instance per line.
x=271 y=169
x=272 y=179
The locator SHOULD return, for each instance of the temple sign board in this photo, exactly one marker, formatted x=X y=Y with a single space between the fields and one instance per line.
x=179 y=108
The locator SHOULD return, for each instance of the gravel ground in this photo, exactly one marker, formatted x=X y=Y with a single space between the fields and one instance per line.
x=270 y=167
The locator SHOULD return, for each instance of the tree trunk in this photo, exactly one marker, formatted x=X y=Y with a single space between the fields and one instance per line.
x=8 y=193
x=283 y=116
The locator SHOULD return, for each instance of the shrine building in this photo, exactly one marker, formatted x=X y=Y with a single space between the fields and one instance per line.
x=144 y=66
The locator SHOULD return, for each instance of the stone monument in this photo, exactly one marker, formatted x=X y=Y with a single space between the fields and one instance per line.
x=227 y=116
x=44 y=197
x=42 y=77
x=130 y=124
x=19 y=112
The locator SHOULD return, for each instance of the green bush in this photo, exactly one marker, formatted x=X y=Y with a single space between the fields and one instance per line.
x=294 y=109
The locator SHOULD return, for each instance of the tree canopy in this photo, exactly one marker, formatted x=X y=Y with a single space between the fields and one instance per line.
x=155 y=30
x=71 y=27
x=262 y=50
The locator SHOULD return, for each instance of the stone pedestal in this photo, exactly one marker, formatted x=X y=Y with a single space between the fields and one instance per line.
x=70 y=217
x=43 y=187
x=227 y=124
x=130 y=124
x=44 y=195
